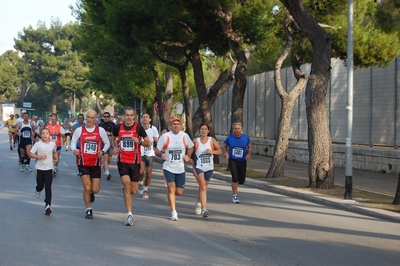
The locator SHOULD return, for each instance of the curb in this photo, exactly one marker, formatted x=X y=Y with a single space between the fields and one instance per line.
x=347 y=205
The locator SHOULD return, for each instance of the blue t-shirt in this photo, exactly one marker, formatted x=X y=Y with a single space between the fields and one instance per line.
x=238 y=147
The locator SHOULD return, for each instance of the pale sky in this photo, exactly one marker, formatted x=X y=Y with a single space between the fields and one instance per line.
x=18 y=14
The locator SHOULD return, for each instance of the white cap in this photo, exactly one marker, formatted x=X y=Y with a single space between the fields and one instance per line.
x=23 y=111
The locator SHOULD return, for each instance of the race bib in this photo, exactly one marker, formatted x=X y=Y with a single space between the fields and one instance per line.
x=53 y=138
x=127 y=144
x=204 y=160
x=26 y=134
x=237 y=152
x=175 y=156
x=90 y=147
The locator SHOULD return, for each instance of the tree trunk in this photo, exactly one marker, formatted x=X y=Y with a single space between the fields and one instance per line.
x=321 y=168
x=396 y=200
x=169 y=89
x=158 y=100
x=239 y=87
x=56 y=94
x=277 y=166
x=186 y=100
x=98 y=106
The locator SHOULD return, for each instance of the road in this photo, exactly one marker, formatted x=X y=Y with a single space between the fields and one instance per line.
x=264 y=229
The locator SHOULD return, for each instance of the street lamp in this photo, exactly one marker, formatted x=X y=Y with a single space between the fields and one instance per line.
x=349 y=107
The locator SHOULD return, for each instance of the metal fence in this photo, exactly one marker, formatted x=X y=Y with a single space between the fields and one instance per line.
x=376 y=106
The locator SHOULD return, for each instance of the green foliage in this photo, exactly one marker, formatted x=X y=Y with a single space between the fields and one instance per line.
x=9 y=80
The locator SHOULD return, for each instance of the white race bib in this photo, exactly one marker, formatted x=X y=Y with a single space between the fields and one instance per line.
x=90 y=147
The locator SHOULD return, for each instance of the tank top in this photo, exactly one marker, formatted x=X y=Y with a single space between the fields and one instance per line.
x=129 y=151
x=90 y=146
x=204 y=160
x=53 y=137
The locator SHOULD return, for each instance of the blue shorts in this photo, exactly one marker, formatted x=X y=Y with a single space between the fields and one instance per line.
x=58 y=148
x=207 y=174
x=178 y=179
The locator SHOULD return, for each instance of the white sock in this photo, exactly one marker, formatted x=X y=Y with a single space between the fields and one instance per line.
x=107 y=173
x=141 y=182
x=128 y=213
x=145 y=188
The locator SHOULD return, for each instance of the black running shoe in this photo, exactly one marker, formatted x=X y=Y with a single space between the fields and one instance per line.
x=108 y=177
x=89 y=214
x=47 y=210
x=92 y=198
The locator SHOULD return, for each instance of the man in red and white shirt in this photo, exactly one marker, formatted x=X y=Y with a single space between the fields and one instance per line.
x=130 y=136
x=89 y=157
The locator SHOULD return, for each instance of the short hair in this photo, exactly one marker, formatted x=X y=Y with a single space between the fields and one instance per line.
x=129 y=108
x=237 y=123
x=106 y=113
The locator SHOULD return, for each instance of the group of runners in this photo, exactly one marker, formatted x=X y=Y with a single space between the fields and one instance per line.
x=135 y=146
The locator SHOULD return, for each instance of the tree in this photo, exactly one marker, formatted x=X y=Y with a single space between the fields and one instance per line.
x=9 y=80
x=276 y=168
x=385 y=46
x=53 y=56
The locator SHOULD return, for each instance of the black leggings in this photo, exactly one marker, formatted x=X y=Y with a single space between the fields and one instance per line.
x=44 y=178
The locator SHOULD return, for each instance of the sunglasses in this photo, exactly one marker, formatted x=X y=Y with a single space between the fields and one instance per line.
x=106 y=116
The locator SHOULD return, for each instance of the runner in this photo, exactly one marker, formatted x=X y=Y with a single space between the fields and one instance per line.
x=108 y=126
x=129 y=134
x=45 y=153
x=67 y=128
x=25 y=130
x=56 y=133
x=205 y=148
x=89 y=157
x=174 y=147
x=147 y=156
x=9 y=124
x=237 y=149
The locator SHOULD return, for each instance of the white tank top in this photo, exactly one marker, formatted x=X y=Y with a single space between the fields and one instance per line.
x=204 y=160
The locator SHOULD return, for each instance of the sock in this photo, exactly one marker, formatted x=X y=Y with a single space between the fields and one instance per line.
x=145 y=188
x=89 y=208
x=141 y=182
x=107 y=173
x=128 y=213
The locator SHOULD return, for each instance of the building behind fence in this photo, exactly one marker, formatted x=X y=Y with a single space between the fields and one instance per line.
x=376 y=114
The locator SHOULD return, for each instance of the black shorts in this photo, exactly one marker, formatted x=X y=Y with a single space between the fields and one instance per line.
x=92 y=171
x=130 y=169
x=238 y=170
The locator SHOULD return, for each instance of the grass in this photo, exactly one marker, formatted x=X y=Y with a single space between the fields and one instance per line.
x=370 y=199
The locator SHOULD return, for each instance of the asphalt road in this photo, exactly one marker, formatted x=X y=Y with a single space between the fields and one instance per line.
x=264 y=229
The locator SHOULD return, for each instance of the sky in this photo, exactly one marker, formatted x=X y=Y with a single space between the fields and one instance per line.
x=18 y=14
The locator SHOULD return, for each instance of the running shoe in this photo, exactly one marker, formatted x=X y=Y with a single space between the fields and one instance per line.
x=108 y=177
x=204 y=213
x=48 y=210
x=22 y=168
x=174 y=215
x=140 y=189
x=37 y=193
x=92 y=197
x=235 y=199
x=28 y=168
x=146 y=194
x=197 y=209
x=89 y=214
x=10 y=147
x=129 y=220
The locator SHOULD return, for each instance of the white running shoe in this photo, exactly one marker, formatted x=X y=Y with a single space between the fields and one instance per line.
x=28 y=168
x=140 y=189
x=129 y=220
x=197 y=209
x=37 y=193
x=205 y=213
x=174 y=215
x=235 y=199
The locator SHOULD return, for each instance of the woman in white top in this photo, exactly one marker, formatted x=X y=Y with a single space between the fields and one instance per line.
x=205 y=148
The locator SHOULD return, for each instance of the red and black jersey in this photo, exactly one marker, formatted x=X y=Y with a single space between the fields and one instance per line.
x=91 y=144
x=129 y=151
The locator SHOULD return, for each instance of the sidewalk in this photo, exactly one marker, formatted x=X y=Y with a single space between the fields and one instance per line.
x=368 y=181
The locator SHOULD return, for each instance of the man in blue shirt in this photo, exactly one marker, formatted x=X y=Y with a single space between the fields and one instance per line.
x=237 y=149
